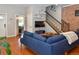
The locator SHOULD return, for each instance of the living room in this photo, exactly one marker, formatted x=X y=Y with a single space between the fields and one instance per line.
x=44 y=19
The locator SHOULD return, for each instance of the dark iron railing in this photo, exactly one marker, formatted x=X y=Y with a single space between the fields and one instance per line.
x=64 y=25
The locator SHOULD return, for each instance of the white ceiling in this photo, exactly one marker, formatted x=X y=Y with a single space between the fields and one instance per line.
x=66 y=5
x=27 y=5
x=22 y=5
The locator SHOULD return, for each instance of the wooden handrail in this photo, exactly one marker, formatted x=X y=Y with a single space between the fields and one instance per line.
x=52 y=17
x=65 y=26
x=63 y=23
x=54 y=27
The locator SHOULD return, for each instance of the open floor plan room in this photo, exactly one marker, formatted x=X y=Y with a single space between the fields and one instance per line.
x=39 y=29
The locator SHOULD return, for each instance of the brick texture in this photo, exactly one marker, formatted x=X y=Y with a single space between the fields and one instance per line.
x=68 y=14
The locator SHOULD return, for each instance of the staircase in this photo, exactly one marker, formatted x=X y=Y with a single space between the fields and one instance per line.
x=59 y=27
x=65 y=26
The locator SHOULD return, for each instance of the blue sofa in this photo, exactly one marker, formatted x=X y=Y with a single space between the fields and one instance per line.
x=55 y=45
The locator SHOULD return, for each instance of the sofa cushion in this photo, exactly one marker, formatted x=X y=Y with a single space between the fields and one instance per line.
x=55 y=38
x=39 y=37
x=28 y=33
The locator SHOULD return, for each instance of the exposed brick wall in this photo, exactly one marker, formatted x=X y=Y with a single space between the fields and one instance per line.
x=68 y=15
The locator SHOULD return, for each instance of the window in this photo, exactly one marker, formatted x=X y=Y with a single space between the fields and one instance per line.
x=1 y=17
x=76 y=12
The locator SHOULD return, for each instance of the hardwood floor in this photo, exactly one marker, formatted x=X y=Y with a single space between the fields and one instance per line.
x=16 y=49
x=74 y=51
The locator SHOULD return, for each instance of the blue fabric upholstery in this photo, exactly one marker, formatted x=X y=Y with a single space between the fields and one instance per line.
x=55 y=38
x=39 y=37
x=77 y=32
x=58 y=46
x=28 y=33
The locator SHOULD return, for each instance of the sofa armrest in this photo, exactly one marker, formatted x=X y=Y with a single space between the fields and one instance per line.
x=40 y=47
x=37 y=45
x=60 y=47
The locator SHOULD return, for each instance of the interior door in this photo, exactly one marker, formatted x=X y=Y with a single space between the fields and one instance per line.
x=2 y=24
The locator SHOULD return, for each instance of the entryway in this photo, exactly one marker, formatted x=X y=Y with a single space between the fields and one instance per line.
x=20 y=24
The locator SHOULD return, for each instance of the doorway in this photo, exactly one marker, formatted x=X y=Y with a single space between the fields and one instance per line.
x=2 y=25
x=20 y=24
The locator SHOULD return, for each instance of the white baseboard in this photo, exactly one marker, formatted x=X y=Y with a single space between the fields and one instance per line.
x=11 y=36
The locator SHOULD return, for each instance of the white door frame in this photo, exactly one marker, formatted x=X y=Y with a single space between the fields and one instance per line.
x=16 y=23
x=6 y=32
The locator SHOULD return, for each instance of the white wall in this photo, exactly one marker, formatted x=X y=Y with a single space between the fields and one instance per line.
x=35 y=13
x=11 y=11
x=56 y=12
x=29 y=19
x=29 y=13
x=48 y=28
x=32 y=13
x=39 y=15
